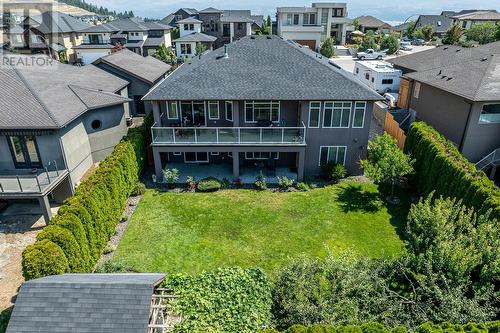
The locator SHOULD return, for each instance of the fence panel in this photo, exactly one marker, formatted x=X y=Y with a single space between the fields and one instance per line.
x=391 y=126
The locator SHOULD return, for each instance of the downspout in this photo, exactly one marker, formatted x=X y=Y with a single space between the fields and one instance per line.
x=462 y=141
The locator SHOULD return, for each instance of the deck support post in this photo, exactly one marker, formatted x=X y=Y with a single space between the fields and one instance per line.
x=300 y=165
x=158 y=166
x=493 y=172
x=45 y=206
x=236 y=164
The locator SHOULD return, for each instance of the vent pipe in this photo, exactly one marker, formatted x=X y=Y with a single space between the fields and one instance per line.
x=225 y=52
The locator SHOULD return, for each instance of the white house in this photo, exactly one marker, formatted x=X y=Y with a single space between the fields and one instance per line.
x=190 y=36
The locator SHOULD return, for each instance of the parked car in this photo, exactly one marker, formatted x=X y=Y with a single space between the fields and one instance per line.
x=417 y=42
x=371 y=54
x=406 y=46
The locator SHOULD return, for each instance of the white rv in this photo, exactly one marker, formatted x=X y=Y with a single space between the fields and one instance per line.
x=378 y=75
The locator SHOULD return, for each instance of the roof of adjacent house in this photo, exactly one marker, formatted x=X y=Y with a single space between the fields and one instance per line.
x=210 y=10
x=473 y=73
x=482 y=15
x=190 y=11
x=148 y=69
x=51 y=96
x=85 y=303
x=440 y=23
x=261 y=68
x=57 y=22
x=127 y=24
x=190 y=20
x=196 y=37
x=371 y=22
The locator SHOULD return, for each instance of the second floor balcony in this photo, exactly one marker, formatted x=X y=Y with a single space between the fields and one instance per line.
x=229 y=135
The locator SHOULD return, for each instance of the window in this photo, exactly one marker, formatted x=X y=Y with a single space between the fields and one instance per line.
x=185 y=48
x=416 y=91
x=229 y=110
x=95 y=39
x=309 y=19
x=338 y=12
x=24 y=151
x=226 y=31
x=96 y=124
x=335 y=154
x=359 y=115
x=186 y=26
x=216 y=153
x=240 y=26
x=295 y=19
x=324 y=16
x=289 y=19
x=314 y=111
x=336 y=114
x=196 y=157
x=260 y=111
x=193 y=113
x=172 y=110
x=373 y=79
x=367 y=76
x=191 y=26
x=177 y=153
x=490 y=114
x=139 y=105
x=261 y=155
x=464 y=25
x=387 y=81
x=357 y=70
x=213 y=110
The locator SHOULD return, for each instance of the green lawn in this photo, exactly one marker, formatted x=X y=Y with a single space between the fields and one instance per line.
x=192 y=232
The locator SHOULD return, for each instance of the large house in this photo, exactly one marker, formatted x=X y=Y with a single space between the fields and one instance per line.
x=440 y=23
x=457 y=91
x=143 y=38
x=260 y=103
x=312 y=25
x=371 y=23
x=56 y=121
x=466 y=19
x=190 y=37
x=53 y=33
x=142 y=73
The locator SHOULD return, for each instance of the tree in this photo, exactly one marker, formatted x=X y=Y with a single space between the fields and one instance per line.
x=356 y=24
x=482 y=33
x=410 y=29
x=386 y=163
x=453 y=34
x=166 y=55
x=175 y=33
x=267 y=27
x=497 y=33
x=200 y=49
x=368 y=42
x=390 y=42
x=327 y=49
x=426 y=32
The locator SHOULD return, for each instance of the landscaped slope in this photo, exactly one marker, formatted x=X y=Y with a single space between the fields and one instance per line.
x=192 y=232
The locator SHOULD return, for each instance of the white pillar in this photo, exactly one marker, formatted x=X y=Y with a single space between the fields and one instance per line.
x=249 y=28
x=231 y=32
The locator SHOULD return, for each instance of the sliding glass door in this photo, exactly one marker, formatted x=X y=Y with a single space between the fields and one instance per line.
x=24 y=151
x=193 y=113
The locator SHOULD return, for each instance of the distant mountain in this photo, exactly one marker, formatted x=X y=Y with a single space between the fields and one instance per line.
x=97 y=10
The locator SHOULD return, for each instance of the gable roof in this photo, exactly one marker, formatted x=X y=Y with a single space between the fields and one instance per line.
x=49 y=97
x=210 y=10
x=261 y=68
x=57 y=22
x=196 y=37
x=482 y=15
x=127 y=24
x=189 y=20
x=440 y=23
x=371 y=22
x=79 y=303
x=148 y=69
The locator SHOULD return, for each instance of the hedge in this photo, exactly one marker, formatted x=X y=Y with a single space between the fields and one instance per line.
x=371 y=327
x=441 y=168
x=75 y=238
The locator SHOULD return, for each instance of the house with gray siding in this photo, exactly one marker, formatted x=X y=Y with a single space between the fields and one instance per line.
x=260 y=104
x=142 y=73
x=457 y=91
x=56 y=121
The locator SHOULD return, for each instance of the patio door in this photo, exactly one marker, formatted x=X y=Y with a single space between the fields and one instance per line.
x=193 y=113
x=24 y=152
x=196 y=157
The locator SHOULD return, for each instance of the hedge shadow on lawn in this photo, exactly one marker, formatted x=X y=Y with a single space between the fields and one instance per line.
x=353 y=198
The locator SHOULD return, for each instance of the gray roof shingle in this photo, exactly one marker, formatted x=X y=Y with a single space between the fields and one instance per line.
x=127 y=24
x=480 y=15
x=57 y=22
x=84 y=303
x=189 y=20
x=196 y=37
x=372 y=22
x=148 y=69
x=440 y=23
x=261 y=67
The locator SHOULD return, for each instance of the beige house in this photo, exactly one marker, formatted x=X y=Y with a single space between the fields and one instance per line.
x=467 y=20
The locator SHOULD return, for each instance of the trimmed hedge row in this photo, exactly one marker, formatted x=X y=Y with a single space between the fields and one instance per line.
x=441 y=168
x=75 y=238
x=491 y=327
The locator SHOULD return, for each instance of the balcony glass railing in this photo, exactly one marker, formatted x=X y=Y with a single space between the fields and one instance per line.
x=228 y=135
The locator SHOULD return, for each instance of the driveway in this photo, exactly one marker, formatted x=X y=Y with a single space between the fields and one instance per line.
x=19 y=225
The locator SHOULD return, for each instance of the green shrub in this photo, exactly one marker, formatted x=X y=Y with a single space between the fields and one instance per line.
x=191 y=183
x=225 y=183
x=284 y=182
x=5 y=316
x=302 y=186
x=226 y=300
x=334 y=171
x=139 y=189
x=110 y=266
x=43 y=258
x=171 y=176
x=260 y=182
x=209 y=184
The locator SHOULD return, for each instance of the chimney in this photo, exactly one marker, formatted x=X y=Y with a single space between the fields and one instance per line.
x=225 y=52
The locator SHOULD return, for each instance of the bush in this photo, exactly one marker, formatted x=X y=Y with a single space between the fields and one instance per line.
x=225 y=183
x=190 y=183
x=260 y=182
x=284 y=182
x=139 y=189
x=226 y=300
x=442 y=169
x=327 y=49
x=110 y=266
x=171 y=176
x=43 y=258
x=209 y=184
x=334 y=171
x=302 y=186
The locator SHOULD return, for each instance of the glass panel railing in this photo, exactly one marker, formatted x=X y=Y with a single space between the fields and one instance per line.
x=228 y=135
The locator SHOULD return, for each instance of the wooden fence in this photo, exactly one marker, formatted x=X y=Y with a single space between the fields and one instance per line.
x=391 y=126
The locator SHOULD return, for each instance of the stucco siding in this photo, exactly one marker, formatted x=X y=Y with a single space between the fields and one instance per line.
x=76 y=146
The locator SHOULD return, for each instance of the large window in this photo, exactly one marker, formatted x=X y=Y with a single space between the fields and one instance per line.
x=229 y=110
x=338 y=12
x=337 y=114
x=335 y=154
x=198 y=157
x=314 y=112
x=256 y=111
x=24 y=151
x=261 y=155
x=172 y=110
x=226 y=31
x=309 y=19
x=295 y=19
x=490 y=114
x=359 y=115
x=213 y=110
x=95 y=39
x=185 y=48
x=193 y=113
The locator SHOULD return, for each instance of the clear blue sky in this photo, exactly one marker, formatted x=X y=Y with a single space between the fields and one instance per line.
x=389 y=10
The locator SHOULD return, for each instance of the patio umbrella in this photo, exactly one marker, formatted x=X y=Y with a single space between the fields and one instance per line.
x=357 y=33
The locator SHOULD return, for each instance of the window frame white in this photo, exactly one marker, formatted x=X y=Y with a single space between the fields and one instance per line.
x=342 y=109
x=356 y=108
x=319 y=114
x=177 y=153
x=262 y=158
x=271 y=103
x=196 y=155
x=218 y=113
x=168 y=103
x=232 y=110
x=328 y=154
x=185 y=48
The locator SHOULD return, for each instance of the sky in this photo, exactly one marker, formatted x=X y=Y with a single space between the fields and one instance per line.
x=387 y=10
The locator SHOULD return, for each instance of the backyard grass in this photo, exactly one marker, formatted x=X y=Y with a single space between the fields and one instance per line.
x=192 y=232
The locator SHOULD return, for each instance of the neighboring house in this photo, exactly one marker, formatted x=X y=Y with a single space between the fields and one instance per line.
x=56 y=120
x=190 y=36
x=370 y=23
x=312 y=25
x=440 y=23
x=181 y=14
x=141 y=37
x=260 y=103
x=79 y=303
x=457 y=91
x=53 y=33
x=142 y=73
x=468 y=19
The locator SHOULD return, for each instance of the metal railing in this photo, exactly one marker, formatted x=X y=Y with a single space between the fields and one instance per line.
x=492 y=158
x=30 y=182
x=228 y=135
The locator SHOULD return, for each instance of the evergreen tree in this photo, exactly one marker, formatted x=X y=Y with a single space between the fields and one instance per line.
x=453 y=34
x=327 y=49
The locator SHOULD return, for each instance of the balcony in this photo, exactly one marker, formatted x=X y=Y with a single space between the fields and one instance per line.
x=302 y=28
x=209 y=136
